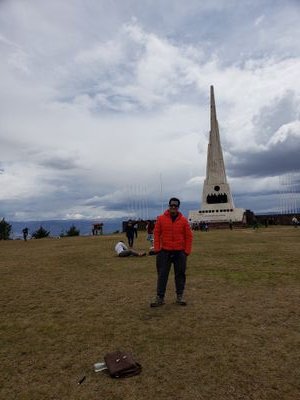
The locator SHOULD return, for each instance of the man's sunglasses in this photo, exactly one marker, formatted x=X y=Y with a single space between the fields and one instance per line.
x=173 y=205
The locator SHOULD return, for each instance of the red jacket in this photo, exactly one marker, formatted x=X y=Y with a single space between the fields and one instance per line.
x=169 y=235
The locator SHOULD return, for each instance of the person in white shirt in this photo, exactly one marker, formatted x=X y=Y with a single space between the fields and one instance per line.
x=123 y=251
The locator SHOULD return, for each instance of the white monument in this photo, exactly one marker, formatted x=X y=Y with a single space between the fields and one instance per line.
x=217 y=204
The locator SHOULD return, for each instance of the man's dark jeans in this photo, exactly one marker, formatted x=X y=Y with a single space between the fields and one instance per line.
x=164 y=259
x=130 y=238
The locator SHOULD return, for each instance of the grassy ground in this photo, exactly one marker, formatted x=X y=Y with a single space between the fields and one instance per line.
x=65 y=303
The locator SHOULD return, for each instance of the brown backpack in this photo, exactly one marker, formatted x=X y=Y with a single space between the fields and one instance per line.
x=121 y=364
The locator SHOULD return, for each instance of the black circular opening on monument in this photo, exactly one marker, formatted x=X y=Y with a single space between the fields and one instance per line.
x=217 y=188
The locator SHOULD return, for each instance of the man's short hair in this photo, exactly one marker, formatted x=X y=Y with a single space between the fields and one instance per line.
x=174 y=200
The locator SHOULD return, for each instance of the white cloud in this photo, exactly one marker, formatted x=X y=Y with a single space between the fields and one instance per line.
x=291 y=129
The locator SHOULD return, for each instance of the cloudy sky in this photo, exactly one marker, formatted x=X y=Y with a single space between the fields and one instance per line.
x=104 y=104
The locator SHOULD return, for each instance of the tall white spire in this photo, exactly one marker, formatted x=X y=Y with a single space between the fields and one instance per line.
x=217 y=204
x=215 y=168
x=216 y=191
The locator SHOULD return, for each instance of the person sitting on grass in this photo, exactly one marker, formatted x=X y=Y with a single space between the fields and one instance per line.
x=123 y=251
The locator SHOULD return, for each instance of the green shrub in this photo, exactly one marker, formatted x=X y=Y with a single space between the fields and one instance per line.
x=5 y=229
x=40 y=233
x=73 y=231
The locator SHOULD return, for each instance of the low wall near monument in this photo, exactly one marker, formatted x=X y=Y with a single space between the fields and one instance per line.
x=276 y=219
x=249 y=220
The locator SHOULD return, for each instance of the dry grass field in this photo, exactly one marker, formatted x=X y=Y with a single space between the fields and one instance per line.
x=65 y=303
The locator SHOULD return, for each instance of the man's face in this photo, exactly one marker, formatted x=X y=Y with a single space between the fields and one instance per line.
x=173 y=207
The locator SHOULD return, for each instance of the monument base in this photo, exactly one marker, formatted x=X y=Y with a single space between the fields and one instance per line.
x=216 y=216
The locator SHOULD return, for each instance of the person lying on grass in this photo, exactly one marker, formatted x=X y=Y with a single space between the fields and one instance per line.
x=123 y=251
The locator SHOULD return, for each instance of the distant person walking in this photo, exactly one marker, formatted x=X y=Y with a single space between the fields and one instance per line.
x=122 y=250
x=172 y=243
x=136 y=228
x=25 y=233
x=130 y=232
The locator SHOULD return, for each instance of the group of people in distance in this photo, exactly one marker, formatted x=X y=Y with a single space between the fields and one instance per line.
x=172 y=243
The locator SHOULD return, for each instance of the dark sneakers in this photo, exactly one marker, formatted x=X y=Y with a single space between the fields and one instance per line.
x=159 y=301
x=180 y=301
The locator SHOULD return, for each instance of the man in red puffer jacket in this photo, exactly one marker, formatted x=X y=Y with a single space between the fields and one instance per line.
x=172 y=243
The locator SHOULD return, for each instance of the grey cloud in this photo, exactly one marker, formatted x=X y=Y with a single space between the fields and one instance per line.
x=280 y=158
x=259 y=202
x=59 y=163
x=65 y=195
